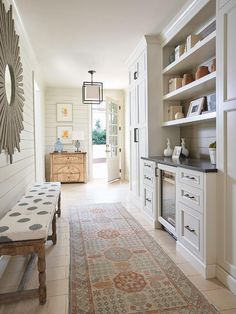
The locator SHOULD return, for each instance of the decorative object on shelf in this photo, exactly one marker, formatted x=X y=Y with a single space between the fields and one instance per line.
x=213 y=65
x=184 y=151
x=64 y=112
x=212 y=152
x=201 y=71
x=172 y=58
x=76 y=138
x=58 y=147
x=175 y=83
x=92 y=92
x=179 y=115
x=211 y=103
x=196 y=106
x=172 y=111
x=187 y=78
x=179 y=50
x=11 y=85
x=192 y=40
x=177 y=152
x=65 y=134
x=168 y=151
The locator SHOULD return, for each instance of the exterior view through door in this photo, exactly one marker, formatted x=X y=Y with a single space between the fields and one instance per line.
x=106 y=161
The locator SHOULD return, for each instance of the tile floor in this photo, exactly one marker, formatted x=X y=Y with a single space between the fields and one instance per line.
x=58 y=257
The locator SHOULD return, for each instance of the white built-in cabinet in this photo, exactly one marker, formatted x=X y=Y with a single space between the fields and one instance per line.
x=226 y=142
x=147 y=137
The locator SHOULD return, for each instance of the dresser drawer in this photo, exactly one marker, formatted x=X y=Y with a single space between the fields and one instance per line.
x=190 y=177
x=191 y=229
x=65 y=159
x=190 y=196
x=67 y=169
x=62 y=177
x=148 y=201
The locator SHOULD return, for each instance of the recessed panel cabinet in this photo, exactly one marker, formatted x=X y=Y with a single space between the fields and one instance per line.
x=226 y=143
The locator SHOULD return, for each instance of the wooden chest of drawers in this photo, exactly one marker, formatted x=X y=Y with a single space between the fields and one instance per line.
x=68 y=167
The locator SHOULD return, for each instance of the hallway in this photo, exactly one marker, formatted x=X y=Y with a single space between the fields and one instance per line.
x=58 y=257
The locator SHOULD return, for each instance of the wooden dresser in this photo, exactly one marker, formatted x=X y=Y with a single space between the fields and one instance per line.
x=68 y=167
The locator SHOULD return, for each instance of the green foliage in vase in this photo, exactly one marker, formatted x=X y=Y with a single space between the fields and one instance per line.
x=212 y=145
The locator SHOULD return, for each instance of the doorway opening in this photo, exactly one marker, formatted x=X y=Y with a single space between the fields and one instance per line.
x=99 y=141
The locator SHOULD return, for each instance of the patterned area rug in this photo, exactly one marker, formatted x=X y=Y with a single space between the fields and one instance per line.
x=117 y=267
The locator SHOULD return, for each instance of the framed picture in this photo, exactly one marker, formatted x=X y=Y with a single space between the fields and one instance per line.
x=211 y=102
x=196 y=107
x=64 y=112
x=65 y=134
x=177 y=152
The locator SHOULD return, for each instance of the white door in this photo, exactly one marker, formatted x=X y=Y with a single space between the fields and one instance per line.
x=226 y=137
x=112 y=140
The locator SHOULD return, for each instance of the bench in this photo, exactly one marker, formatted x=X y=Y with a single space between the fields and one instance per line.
x=25 y=229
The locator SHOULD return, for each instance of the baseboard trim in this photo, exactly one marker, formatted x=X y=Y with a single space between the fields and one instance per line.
x=228 y=280
x=207 y=271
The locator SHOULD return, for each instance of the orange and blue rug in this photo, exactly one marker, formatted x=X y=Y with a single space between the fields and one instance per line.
x=117 y=267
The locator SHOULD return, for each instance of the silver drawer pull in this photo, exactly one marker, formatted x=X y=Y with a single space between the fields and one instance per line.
x=189 y=196
x=147 y=165
x=190 y=178
x=148 y=200
x=147 y=178
x=189 y=229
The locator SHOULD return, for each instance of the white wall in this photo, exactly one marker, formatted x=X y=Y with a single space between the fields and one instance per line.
x=17 y=177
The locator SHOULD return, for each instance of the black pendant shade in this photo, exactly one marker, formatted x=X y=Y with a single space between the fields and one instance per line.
x=92 y=92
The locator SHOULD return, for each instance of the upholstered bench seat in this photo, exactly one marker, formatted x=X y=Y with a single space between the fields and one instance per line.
x=24 y=230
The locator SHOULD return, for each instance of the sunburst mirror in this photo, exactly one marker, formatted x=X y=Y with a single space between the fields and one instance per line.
x=11 y=85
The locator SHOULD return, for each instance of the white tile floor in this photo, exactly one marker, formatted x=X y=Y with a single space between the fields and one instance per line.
x=58 y=257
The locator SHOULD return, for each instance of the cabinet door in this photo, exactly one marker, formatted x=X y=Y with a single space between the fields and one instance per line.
x=226 y=136
x=133 y=107
x=141 y=102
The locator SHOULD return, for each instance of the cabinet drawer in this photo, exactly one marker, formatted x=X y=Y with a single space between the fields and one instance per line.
x=190 y=177
x=148 y=178
x=149 y=166
x=191 y=229
x=148 y=201
x=190 y=196
x=67 y=169
x=78 y=177
x=62 y=159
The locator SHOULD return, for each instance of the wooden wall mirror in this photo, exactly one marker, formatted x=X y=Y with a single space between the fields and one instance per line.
x=11 y=85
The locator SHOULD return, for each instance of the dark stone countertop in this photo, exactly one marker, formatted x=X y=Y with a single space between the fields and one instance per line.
x=201 y=165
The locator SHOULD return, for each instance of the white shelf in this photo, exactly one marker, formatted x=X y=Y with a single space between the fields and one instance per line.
x=202 y=51
x=191 y=120
x=196 y=88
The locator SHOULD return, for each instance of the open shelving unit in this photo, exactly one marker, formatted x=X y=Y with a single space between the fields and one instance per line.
x=201 y=54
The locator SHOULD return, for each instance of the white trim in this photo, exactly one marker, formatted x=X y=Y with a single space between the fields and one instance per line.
x=207 y=271
x=228 y=280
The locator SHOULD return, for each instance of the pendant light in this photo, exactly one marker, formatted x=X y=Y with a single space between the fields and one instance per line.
x=92 y=92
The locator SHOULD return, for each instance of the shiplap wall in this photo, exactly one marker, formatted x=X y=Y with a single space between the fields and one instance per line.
x=16 y=178
x=80 y=118
x=198 y=137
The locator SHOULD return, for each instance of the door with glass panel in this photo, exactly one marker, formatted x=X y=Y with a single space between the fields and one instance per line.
x=112 y=149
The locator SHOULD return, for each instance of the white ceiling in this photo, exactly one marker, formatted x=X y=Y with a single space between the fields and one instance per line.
x=71 y=37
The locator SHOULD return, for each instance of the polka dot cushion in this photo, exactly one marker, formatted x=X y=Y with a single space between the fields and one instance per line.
x=31 y=217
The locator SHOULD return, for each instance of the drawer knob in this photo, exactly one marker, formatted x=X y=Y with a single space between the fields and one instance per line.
x=189 y=229
x=147 y=178
x=146 y=165
x=148 y=200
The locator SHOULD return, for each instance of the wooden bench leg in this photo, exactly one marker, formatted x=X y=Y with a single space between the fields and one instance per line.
x=54 y=230
x=42 y=275
x=59 y=206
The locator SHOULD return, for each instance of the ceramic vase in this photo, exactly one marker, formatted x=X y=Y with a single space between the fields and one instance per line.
x=168 y=151
x=187 y=78
x=58 y=146
x=212 y=152
x=201 y=71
